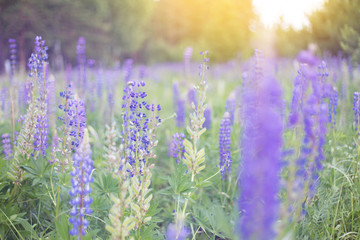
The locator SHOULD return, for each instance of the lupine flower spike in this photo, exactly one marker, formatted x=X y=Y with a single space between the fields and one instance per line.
x=81 y=179
x=261 y=158
x=33 y=133
x=225 y=145
x=6 y=144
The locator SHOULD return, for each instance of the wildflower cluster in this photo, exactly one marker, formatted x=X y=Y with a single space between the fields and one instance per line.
x=179 y=106
x=195 y=158
x=356 y=109
x=81 y=179
x=81 y=59
x=12 y=50
x=207 y=116
x=6 y=144
x=38 y=60
x=74 y=124
x=134 y=176
x=136 y=133
x=33 y=134
x=261 y=157
x=225 y=145
x=333 y=103
x=177 y=149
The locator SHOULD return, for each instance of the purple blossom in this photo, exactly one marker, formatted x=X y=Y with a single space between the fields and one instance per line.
x=81 y=179
x=307 y=57
x=261 y=158
x=37 y=64
x=12 y=51
x=192 y=98
x=177 y=148
x=356 y=109
x=296 y=103
x=179 y=106
x=230 y=107
x=207 y=116
x=333 y=103
x=225 y=145
x=41 y=134
x=311 y=157
x=38 y=59
x=175 y=232
x=181 y=113
x=74 y=117
x=136 y=124
x=3 y=98
x=6 y=144
x=81 y=58
x=127 y=69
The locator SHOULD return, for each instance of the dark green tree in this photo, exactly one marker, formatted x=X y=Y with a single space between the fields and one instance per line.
x=328 y=23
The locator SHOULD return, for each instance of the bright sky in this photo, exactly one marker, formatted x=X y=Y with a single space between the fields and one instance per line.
x=293 y=11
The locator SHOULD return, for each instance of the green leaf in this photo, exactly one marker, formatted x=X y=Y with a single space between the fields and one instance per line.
x=62 y=228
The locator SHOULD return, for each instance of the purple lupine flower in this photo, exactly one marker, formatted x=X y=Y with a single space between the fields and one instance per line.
x=175 y=232
x=74 y=117
x=307 y=57
x=230 y=107
x=261 y=158
x=6 y=144
x=192 y=98
x=296 y=102
x=333 y=103
x=81 y=179
x=181 y=113
x=111 y=101
x=176 y=94
x=12 y=50
x=38 y=59
x=225 y=145
x=177 y=148
x=77 y=121
x=51 y=99
x=320 y=131
x=136 y=123
x=142 y=72
x=81 y=59
x=41 y=134
x=3 y=98
x=179 y=106
x=99 y=84
x=37 y=65
x=308 y=146
x=127 y=68
x=207 y=116
x=356 y=109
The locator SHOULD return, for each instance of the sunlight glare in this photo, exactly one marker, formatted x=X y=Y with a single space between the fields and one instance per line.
x=293 y=12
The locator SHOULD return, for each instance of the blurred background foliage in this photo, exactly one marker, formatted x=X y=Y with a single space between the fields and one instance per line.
x=159 y=30
x=145 y=30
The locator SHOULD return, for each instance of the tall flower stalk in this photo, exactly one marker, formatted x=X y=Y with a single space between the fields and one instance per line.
x=225 y=145
x=130 y=162
x=261 y=158
x=194 y=157
x=12 y=50
x=28 y=139
x=81 y=179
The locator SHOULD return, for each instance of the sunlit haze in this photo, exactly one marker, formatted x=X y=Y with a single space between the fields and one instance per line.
x=293 y=12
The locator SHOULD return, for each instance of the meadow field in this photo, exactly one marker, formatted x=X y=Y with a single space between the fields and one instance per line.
x=247 y=149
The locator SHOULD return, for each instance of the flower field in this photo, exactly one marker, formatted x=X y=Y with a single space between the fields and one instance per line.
x=256 y=149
